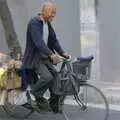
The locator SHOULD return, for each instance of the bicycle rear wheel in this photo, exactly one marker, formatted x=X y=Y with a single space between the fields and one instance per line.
x=92 y=102
x=17 y=111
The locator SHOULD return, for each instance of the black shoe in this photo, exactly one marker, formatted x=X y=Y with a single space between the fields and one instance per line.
x=56 y=110
x=43 y=104
x=54 y=107
x=40 y=103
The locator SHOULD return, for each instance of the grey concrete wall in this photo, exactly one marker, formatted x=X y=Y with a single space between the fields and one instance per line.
x=67 y=23
x=109 y=24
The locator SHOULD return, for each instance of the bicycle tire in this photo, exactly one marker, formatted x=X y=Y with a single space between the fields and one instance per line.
x=9 y=111
x=82 y=105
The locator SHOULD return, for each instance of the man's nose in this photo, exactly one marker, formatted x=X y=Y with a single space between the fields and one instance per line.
x=52 y=16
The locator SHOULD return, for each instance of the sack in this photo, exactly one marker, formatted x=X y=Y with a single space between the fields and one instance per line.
x=3 y=97
x=4 y=58
x=11 y=78
x=17 y=97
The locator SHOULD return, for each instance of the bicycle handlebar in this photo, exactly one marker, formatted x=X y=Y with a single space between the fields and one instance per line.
x=62 y=59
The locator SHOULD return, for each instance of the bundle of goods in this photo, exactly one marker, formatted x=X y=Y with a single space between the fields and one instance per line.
x=10 y=84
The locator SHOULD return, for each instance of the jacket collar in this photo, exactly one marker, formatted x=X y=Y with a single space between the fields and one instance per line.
x=40 y=19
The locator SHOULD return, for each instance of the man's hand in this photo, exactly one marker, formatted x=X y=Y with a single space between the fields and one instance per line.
x=66 y=55
x=55 y=59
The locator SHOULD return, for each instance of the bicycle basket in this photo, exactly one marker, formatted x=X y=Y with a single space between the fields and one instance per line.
x=82 y=69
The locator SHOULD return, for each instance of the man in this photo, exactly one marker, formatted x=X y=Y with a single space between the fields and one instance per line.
x=40 y=53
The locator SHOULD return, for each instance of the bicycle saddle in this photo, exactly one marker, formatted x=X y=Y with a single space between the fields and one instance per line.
x=85 y=59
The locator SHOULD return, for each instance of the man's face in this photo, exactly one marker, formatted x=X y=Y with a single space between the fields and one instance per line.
x=49 y=13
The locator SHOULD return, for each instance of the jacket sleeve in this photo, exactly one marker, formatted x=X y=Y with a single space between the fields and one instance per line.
x=57 y=47
x=55 y=43
x=36 y=34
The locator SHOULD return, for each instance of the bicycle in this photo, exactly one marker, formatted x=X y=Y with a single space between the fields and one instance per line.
x=74 y=83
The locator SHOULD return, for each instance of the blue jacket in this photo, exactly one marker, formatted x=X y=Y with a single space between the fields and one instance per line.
x=36 y=48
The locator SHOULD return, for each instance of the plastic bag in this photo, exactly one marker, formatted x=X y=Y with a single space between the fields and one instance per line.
x=17 y=97
x=3 y=96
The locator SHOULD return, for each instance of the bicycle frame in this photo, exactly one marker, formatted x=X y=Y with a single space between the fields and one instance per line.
x=71 y=75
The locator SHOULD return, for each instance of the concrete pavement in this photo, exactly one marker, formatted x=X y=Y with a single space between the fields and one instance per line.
x=72 y=113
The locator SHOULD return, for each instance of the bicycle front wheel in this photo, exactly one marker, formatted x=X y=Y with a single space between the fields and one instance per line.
x=92 y=102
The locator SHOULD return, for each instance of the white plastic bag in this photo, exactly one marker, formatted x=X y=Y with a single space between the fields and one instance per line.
x=3 y=96
x=32 y=97
x=17 y=97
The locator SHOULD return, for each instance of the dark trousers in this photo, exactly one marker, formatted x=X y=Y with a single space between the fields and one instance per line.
x=46 y=75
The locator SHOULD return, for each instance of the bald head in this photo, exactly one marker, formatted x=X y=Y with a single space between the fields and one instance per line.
x=47 y=4
x=48 y=11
